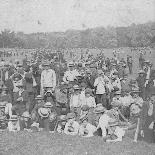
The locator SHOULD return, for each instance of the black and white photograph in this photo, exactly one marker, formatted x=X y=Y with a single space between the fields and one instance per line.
x=77 y=77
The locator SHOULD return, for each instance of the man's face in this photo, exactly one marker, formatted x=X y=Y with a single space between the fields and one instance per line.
x=39 y=101
x=46 y=67
x=135 y=95
x=152 y=99
x=71 y=68
x=21 y=88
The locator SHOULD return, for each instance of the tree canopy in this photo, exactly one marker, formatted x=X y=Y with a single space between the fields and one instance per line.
x=140 y=35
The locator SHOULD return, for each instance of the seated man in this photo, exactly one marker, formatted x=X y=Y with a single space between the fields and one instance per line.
x=25 y=121
x=13 y=124
x=72 y=126
x=86 y=129
x=6 y=99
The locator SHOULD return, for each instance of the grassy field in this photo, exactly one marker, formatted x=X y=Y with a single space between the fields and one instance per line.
x=24 y=143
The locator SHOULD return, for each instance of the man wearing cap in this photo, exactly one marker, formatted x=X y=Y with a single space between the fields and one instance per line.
x=48 y=78
x=70 y=74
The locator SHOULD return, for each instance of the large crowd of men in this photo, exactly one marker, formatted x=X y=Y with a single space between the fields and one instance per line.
x=96 y=96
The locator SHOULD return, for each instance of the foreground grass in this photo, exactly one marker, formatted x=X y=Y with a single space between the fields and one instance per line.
x=43 y=143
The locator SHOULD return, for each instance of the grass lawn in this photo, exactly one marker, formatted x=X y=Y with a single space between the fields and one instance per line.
x=42 y=143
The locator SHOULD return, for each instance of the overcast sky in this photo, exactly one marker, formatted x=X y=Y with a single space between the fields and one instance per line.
x=60 y=15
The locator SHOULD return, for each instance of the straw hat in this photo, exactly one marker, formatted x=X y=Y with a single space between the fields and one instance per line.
x=141 y=72
x=48 y=105
x=43 y=112
x=136 y=90
x=39 y=97
x=13 y=118
x=76 y=87
x=26 y=114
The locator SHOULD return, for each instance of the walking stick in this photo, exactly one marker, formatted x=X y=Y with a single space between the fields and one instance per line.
x=137 y=131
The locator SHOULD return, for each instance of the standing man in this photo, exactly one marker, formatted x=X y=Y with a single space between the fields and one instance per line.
x=48 y=78
x=130 y=63
x=71 y=74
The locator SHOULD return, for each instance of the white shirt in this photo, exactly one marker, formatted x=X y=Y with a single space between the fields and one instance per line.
x=70 y=75
x=48 y=78
x=90 y=101
x=126 y=100
x=75 y=101
x=100 y=84
x=74 y=125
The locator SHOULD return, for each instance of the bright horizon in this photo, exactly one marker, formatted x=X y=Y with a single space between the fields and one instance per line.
x=31 y=16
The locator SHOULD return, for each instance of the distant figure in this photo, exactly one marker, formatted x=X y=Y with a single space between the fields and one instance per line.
x=130 y=63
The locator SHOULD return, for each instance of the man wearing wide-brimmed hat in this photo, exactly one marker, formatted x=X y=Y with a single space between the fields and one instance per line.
x=48 y=78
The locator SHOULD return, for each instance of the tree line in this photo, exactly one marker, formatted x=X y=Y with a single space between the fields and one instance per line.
x=140 y=35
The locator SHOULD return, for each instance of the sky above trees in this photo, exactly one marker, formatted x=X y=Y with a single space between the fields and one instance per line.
x=59 y=15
